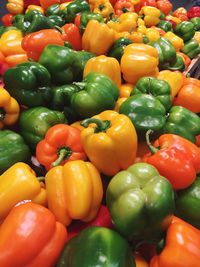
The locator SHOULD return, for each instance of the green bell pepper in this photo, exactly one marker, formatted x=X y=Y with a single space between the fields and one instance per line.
x=196 y=23
x=62 y=62
x=97 y=247
x=12 y=149
x=75 y=7
x=178 y=65
x=98 y=93
x=165 y=25
x=183 y=122
x=53 y=10
x=117 y=49
x=86 y=16
x=160 y=89
x=83 y=57
x=166 y=51
x=141 y=202
x=146 y=112
x=191 y=48
x=185 y=30
x=57 y=20
x=28 y=83
x=188 y=204
x=35 y=122
x=18 y=22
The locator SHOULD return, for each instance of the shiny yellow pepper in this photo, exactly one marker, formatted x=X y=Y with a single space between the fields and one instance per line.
x=151 y=15
x=35 y=7
x=105 y=9
x=9 y=109
x=74 y=191
x=177 y=42
x=15 y=6
x=197 y=37
x=19 y=183
x=105 y=65
x=97 y=38
x=126 y=22
x=152 y=34
x=110 y=141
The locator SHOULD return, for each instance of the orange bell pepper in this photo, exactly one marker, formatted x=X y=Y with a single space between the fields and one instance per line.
x=140 y=261
x=15 y=6
x=180 y=13
x=105 y=65
x=74 y=191
x=45 y=4
x=110 y=141
x=30 y=236
x=35 y=7
x=182 y=246
x=164 y=6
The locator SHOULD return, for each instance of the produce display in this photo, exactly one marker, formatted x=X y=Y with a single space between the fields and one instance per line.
x=99 y=134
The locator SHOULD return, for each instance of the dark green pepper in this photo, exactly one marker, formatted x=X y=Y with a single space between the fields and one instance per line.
x=86 y=16
x=97 y=247
x=53 y=10
x=57 y=20
x=185 y=30
x=18 y=22
x=28 y=83
x=165 y=25
x=191 y=48
x=62 y=62
x=117 y=49
x=196 y=23
x=141 y=202
x=155 y=87
x=35 y=122
x=183 y=122
x=12 y=149
x=75 y=7
x=178 y=65
x=98 y=93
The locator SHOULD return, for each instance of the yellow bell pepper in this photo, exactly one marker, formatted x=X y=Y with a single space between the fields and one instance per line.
x=15 y=6
x=74 y=191
x=151 y=15
x=139 y=60
x=110 y=141
x=177 y=42
x=136 y=37
x=174 y=19
x=122 y=34
x=127 y=22
x=175 y=80
x=118 y=103
x=105 y=65
x=9 y=109
x=34 y=7
x=152 y=34
x=19 y=183
x=97 y=38
x=197 y=37
x=125 y=90
x=104 y=8
x=142 y=29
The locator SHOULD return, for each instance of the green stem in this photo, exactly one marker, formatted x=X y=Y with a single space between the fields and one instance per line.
x=124 y=10
x=64 y=153
x=151 y=148
x=41 y=178
x=81 y=85
x=101 y=7
x=2 y=114
x=101 y=126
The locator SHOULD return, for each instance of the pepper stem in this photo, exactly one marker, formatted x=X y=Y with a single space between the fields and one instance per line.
x=63 y=153
x=101 y=126
x=41 y=178
x=2 y=114
x=152 y=149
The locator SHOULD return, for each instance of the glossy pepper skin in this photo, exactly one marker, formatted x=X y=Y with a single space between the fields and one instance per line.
x=35 y=122
x=194 y=12
x=110 y=142
x=185 y=30
x=191 y=48
x=151 y=15
x=155 y=87
x=74 y=191
x=12 y=149
x=90 y=248
x=117 y=48
x=28 y=83
x=196 y=23
x=86 y=16
x=181 y=246
x=123 y=6
x=176 y=41
x=62 y=63
x=73 y=8
x=33 y=227
x=62 y=143
x=178 y=65
x=180 y=154
x=98 y=93
x=136 y=194
x=72 y=35
x=165 y=25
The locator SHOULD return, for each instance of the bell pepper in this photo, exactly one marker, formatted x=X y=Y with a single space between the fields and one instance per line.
x=140 y=261
x=62 y=63
x=35 y=122
x=185 y=58
x=160 y=89
x=12 y=149
x=151 y=15
x=76 y=184
x=15 y=6
x=152 y=35
x=191 y=48
x=73 y=8
x=97 y=38
x=106 y=65
x=9 y=109
x=7 y=19
x=197 y=37
x=94 y=251
x=165 y=25
x=146 y=112
x=196 y=23
x=104 y=8
x=176 y=158
x=86 y=16
x=110 y=143
x=181 y=13
x=125 y=90
x=33 y=227
x=178 y=65
x=31 y=2
x=164 y=6
x=181 y=246
x=72 y=35
x=56 y=20
x=98 y=93
x=123 y=6
x=117 y=48
x=53 y=10
x=176 y=41
x=173 y=20
x=138 y=60
x=193 y=12
x=185 y=30
x=133 y=195
x=61 y=144
x=183 y=122
x=35 y=7
x=46 y=4
x=126 y=22
x=28 y=83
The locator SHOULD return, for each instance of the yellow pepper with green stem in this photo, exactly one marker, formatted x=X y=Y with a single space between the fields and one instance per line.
x=151 y=15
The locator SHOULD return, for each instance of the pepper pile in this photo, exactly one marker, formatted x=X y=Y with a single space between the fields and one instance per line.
x=99 y=134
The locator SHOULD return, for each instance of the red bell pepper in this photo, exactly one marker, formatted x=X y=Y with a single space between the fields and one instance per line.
x=30 y=236
x=180 y=13
x=194 y=12
x=123 y=6
x=72 y=35
x=62 y=143
x=176 y=158
x=7 y=19
x=165 y=6
x=31 y=2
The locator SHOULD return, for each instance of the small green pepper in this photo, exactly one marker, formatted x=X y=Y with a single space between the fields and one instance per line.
x=117 y=49
x=185 y=30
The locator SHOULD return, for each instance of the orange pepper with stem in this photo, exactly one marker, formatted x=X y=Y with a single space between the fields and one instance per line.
x=15 y=6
